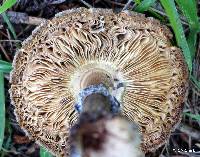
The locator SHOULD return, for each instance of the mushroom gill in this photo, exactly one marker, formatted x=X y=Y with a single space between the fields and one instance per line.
x=127 y=52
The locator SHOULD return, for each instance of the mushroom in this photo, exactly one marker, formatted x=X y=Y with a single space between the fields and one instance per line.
x=129 y=54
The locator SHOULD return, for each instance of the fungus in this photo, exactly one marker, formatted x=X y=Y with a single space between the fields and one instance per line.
x=129 y=54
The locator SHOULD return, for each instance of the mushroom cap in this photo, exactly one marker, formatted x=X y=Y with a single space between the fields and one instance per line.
x=77 y=48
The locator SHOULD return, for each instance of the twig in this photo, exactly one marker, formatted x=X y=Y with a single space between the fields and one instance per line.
x=17 y=17
x=10 y=151
x=190 y=131
x=15 y=41
x=7 y=76
x=9 y=38
x=57 y=2
x=161 y=154
x=127 y=5
x=4 y=34
x=191 y=106
x=116 y=3
x=87 y=4
x=5 y=53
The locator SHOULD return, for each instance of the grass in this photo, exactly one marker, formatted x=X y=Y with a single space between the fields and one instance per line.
x=10 y=27
x=5 y=66
x=189 y=9
x=176 y=25
x=193 y=116
x=197 y=83
x=44 y=153
x=144 y=5
x=2 y=109
x=8 y=141
x=6 y=5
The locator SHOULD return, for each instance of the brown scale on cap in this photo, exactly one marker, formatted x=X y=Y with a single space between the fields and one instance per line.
x=55 y=63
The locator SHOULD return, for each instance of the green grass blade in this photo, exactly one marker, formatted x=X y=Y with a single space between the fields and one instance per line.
x=137 y=1
x=45 y=153
x=175 y=22
x=7 y=143
x=144 y=5
x=189 y=9
x=5 y=66
x=192 y=40
x=10 y=27
x=195 y=81
x=6 y=5
x=156 y=15
x=2 y=109
x=193 y=116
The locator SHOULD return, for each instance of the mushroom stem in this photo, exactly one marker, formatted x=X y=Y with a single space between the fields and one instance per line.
x=96 y=103
x=96 y=99
x=98 y=129
x=104 y=137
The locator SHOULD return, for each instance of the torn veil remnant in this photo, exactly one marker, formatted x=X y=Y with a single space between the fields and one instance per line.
x=127 y=52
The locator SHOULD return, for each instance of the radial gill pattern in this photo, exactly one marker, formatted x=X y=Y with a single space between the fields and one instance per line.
x=127 y=46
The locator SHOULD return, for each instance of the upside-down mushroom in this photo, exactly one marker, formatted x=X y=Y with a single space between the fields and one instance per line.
x=129 y=54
